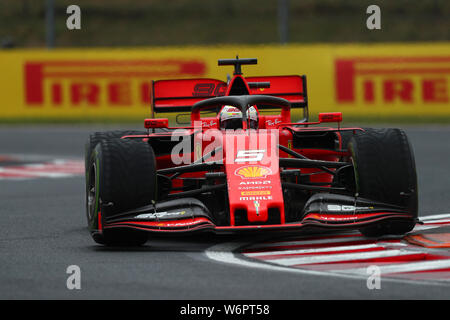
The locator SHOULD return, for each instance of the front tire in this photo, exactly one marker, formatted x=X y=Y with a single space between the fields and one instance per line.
x=96 y=137
x=120 y=176
x=385 y=171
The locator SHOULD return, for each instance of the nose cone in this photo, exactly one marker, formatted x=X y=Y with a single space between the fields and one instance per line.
x=253 y=179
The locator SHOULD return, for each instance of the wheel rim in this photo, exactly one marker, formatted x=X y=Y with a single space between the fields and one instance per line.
x=92 y=191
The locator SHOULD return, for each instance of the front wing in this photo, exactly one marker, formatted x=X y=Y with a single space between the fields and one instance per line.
x=322 y=210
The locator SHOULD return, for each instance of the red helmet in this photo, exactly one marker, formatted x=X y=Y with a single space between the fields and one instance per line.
x=231 y=118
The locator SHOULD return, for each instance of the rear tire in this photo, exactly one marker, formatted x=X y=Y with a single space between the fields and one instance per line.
x=385 y=171
x=120 y=176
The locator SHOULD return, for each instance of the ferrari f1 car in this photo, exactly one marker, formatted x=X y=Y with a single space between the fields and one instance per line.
x=266 y=173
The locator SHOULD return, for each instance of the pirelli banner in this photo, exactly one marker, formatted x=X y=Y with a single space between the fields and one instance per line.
x=383 y=81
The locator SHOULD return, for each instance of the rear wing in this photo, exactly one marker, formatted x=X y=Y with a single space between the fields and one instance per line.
x=291 y=88
x=181 y=94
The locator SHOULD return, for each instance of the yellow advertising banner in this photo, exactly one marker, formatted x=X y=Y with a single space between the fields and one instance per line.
x=380 y=81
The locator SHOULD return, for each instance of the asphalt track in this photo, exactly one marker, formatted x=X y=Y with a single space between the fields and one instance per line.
x=43 y=231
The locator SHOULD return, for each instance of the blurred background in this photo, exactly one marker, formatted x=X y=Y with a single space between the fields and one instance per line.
x=212 y=22
x=398 y=73
x=58 y=86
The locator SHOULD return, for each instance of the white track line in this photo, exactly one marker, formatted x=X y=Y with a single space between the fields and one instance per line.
x=402 y=268
x=327 y=249
x=342 y=257
x=435 y=217
x=428 y=222
x=426 y=227
x=37 y=174
x=304 y=251
x=306 y=242
x=223 y=253
x=57 y=168
x=432 y=222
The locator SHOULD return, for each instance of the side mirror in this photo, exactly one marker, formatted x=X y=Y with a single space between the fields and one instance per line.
x=330 y=117
x=156 y=123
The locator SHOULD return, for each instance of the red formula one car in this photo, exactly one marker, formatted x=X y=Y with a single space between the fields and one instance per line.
x=240 y=167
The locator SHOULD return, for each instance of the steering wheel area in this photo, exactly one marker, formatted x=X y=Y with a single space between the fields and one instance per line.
x=242 y=103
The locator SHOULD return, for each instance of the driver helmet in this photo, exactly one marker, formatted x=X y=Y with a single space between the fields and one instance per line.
x=231 y=118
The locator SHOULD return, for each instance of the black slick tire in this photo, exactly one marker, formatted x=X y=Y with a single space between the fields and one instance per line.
x=385 y=171
x=120 y=176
